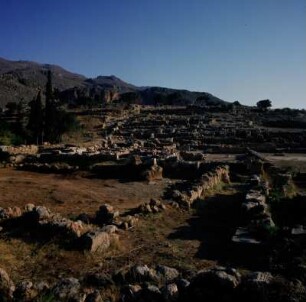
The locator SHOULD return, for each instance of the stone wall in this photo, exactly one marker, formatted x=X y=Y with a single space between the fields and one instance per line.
x=23 y=149
x=199 y=188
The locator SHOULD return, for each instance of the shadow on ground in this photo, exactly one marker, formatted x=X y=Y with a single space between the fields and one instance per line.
x=214 y=223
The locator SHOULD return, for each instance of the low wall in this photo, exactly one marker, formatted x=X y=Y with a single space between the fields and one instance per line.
x=23 y=149
x=199 y=188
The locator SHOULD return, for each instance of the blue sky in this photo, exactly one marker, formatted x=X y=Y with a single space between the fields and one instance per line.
x=243 y=50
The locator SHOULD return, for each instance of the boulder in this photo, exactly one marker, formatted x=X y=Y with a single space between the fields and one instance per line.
x=214 y=284
x=25 y=291
x=75 y=228
x=7 y=286
x=10 y=212
x=67 y=288
x=29 y=207
x=16 y=159
x=154 y=206
x=170 y=292
x=40 y=213
x=131 y=293
x=151 y=293
x=142 y=273
x=110 y=229
x=129 y=222
x=95 y=241
x=106 y=214
x=167 y=273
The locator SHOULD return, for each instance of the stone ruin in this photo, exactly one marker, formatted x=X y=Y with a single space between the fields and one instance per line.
x=82 y=236
x=198 y=188
x=151 y=145
x=153 y=206
x=160 y=283
x=256 y=215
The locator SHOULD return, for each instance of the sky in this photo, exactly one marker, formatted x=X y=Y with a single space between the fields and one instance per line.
x=245 y=50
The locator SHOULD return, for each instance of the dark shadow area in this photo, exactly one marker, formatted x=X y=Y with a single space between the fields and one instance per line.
x=181 y=185
x=214 y=224
x=30 y=232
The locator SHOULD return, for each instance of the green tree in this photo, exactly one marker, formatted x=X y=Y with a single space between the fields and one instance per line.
x=50 y=111
x=36 y=119
x=7 y=135
x=22 y=120
x=264 y=104
x=57 y=120
x=237 y=103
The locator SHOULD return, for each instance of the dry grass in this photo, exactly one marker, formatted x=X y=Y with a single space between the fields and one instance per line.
x=170 y=238
x=158 y=243
x=23 y=259
x=73 y=194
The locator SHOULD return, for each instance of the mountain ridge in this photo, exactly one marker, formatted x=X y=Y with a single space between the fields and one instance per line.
x=22 y=79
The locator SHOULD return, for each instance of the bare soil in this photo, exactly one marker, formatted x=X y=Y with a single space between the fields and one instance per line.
x=73 y=194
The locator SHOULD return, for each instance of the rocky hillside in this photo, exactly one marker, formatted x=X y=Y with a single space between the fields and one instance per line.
x=22 y=79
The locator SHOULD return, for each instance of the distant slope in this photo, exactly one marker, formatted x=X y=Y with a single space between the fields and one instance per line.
x=22 y=79
x=161 y=95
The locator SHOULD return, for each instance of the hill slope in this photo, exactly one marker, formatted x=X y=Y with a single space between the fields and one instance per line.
x=22 y=79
